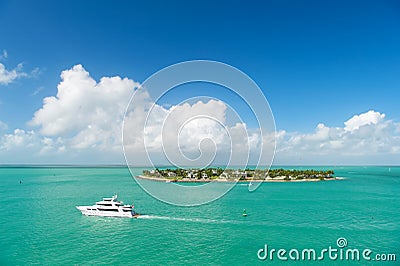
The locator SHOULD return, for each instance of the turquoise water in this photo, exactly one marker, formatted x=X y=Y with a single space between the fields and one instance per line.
x=39 y=224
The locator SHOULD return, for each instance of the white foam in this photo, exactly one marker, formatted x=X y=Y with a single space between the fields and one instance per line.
x=195 y=220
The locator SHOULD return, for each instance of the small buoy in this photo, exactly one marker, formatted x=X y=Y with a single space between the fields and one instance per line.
x=244 y=213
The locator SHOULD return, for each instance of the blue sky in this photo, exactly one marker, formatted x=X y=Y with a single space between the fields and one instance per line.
x=316 y=61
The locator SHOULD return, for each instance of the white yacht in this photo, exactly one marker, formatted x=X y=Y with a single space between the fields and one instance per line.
x=110 y=207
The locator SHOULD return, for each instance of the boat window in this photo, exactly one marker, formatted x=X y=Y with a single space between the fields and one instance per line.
x=109 y=210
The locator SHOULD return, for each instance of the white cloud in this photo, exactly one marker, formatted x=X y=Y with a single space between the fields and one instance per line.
x=182 y=132
x=7 y=76
x=190 y=131
x=82 y=124
x=18 y=139
x=85 y=109
x=363 y=137
x=23 y=146
x=189 y=123
x=368 y=118
x=86 y=115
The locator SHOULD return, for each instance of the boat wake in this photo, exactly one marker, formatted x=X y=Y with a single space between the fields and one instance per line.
x=193 y=220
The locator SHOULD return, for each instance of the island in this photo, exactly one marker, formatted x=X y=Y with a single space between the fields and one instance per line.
x=237 y=175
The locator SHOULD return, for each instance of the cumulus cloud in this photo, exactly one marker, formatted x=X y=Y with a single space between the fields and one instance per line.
x=181 y=133
x=18 y=139
x=87 y=112
x=87 y=115
x=187 y=124
x=368 y=118
x=27 y=146
x=83 y=123
x=363 y=136
x=193 y=133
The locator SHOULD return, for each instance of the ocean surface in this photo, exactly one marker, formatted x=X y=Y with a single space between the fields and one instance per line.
x=39 y=224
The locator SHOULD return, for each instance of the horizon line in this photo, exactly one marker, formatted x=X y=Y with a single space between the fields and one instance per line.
x=38 y=165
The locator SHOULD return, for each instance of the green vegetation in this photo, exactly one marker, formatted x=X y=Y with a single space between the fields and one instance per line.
x=209 y=174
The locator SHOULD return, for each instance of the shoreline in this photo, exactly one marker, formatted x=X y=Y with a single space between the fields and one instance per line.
x=165 y=180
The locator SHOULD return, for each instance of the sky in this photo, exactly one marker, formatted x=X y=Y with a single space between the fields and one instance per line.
x=330 y=71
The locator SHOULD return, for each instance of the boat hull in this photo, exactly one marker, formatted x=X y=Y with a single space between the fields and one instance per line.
x=84 y=210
